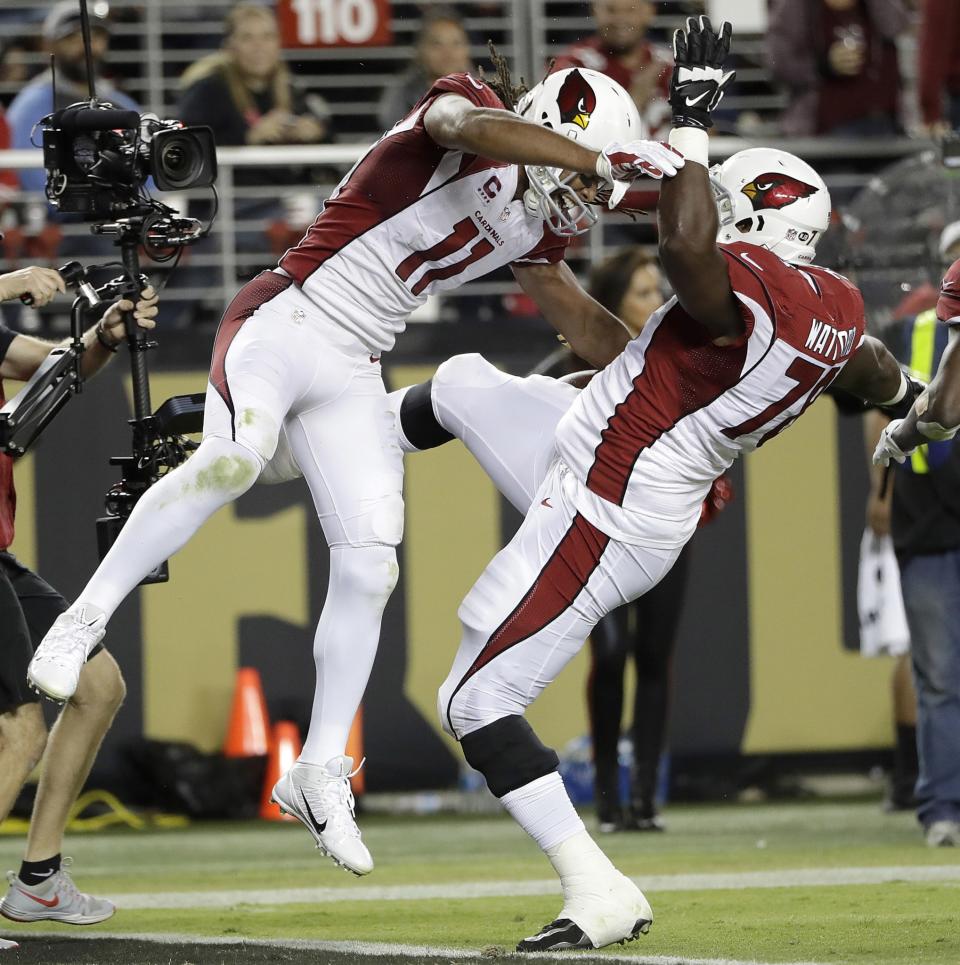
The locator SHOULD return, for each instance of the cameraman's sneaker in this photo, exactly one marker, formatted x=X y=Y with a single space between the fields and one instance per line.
x=943 y=834
x=57 y=662
x=610 y=910
x=57 y=899
x=319 y=796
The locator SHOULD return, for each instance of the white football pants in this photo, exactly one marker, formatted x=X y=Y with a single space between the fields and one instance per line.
x=537 y=601
x=280 y=366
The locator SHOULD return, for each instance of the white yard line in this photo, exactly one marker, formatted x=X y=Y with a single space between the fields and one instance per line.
x=798 y=878
x=384 y=950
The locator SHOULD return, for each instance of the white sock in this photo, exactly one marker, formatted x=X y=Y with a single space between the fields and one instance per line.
x=167 y=515
x=361 y=580
x=578 y=856
x=543 y=809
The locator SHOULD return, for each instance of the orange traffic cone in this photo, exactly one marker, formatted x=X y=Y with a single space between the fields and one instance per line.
x=355 y=750
x=284 y=750
x=248 y=732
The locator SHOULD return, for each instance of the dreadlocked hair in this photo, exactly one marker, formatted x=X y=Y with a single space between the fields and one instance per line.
x=501 y=83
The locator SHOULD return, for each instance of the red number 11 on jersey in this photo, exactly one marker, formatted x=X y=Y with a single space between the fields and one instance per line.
x=463 y=233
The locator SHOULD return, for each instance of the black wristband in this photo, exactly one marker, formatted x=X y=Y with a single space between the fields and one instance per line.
x=900 y=410
x=102 y=340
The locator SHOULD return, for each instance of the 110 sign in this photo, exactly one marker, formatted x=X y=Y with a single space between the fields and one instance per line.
x=335 y=23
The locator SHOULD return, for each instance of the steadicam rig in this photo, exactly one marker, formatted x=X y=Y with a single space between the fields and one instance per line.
x=29 y=412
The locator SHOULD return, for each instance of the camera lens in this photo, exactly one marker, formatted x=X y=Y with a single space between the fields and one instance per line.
x=183 y=158
x=179 y=160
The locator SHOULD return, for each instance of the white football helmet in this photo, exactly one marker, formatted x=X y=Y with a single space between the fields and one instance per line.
x=773 y=199
x=592 y=109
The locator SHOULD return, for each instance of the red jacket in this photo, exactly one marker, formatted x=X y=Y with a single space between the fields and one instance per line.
x=938 y=50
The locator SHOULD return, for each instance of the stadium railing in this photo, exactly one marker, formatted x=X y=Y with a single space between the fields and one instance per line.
x=211 y=272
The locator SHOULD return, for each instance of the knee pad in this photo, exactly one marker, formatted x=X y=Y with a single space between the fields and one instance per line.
x=223 y=466
x=365 y=571
x=468 y=371
x=508 y=754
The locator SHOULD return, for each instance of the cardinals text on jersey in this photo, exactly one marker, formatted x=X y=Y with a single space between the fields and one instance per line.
x=413 y=218
x=651 y=432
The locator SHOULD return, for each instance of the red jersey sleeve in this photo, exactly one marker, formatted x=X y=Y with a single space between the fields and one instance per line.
x=466 y=85
x=948 y=304
x=549 y=250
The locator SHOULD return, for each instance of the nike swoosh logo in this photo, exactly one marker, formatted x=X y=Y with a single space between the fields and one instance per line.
x=320 y=828
x=546 y=502
x=47 y=903
x=696 y=100
x=374 y=358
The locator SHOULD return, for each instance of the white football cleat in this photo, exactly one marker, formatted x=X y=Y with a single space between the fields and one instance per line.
x=5 y=944
x=319 y=796
x=599 y=912
x=57 y=662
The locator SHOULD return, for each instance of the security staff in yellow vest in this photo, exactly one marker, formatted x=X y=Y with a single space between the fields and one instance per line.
x=925 y=524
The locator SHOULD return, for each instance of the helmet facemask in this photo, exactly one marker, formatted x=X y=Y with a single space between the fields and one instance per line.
x=592 y=109
x=551 y=197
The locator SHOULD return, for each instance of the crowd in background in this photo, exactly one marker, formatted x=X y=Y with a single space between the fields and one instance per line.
x=863 y=69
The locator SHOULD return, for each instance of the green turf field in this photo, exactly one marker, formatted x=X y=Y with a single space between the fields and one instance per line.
x=811 y=883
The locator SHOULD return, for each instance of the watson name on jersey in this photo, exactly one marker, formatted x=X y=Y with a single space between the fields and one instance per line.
x=649 y=434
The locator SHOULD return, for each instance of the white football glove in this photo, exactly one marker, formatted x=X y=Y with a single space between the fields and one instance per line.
x=621 y=164
x=887 y=448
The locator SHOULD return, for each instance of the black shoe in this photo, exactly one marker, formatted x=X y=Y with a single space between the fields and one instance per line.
x=559 y=934
x=610 y=818
x=564 y=933
x=644 y=817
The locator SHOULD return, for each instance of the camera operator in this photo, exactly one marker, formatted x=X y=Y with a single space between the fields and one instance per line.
x=43 y=888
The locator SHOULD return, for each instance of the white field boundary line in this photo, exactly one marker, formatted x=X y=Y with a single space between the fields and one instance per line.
x=383 y=949
x=652 y=884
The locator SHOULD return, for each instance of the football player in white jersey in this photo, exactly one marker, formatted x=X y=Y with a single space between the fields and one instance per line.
x=611 y=478
x=461 y=186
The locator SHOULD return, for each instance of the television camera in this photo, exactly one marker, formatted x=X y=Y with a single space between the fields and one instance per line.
x=99 y=162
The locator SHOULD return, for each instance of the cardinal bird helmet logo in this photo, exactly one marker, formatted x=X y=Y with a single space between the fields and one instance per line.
x=577 y=100
x=776 y=191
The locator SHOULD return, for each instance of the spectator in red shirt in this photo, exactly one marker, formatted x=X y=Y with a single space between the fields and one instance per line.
x=8 y=179
x=620 y=49
x=838 y=60
x=938 y=68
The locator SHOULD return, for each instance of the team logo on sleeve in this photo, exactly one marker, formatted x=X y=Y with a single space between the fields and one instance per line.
x=577 y=100
x=776 y=191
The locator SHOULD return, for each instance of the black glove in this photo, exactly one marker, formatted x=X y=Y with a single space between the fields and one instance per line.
x=698 y=82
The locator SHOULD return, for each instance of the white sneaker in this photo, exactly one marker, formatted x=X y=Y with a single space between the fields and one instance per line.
x=56 y=899
x=597 y=912
x=319 y=796
x=57 y=662
x=5 y=944
x=944 y=834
